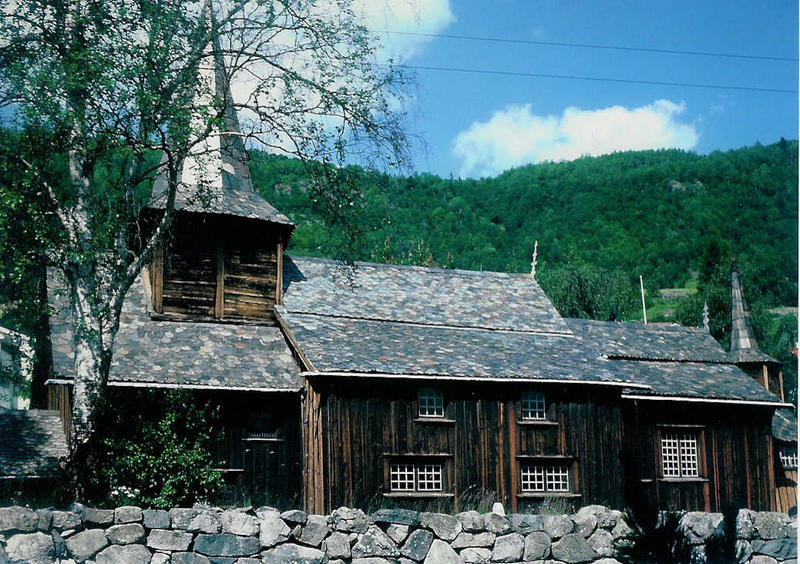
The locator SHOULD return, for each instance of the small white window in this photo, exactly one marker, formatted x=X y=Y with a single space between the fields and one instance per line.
x=415 y=477
x=431 y=403
x=788 y=456
x=679 y=455
x=533 y=406
x=402 y=478
x=550 y=478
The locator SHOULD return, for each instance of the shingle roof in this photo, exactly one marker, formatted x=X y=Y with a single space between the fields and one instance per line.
x=784 y=425
x=32 y=443
x=185 y=354
x=334 y=344
x=744 y=347
x=671 y=360
x=651 y=342
x=410 y=294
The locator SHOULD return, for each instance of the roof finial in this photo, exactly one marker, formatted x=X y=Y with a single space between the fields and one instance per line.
x=705 y=316
x=533 y=260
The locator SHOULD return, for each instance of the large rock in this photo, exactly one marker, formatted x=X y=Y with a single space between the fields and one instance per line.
x=471 y=521
x=399 y=516
x=398 y=533
x=294 y=516
x=417 y=545
x=293 y=554
x=160 y=558
x=206 y=521
x=181 y=517
x=769 y=525
x=66 y=520
x=225 y=544
x=17 y=518
x=508 y=548
x=572 y=548
x=128 y=514
x=238 y=522
x=45 y=519
x=60 y=544
x=128 y=533
x=781 y=549
x=161 y=539
x=602 y=542
x=762 y=559
x=156 y=519
x=314 y=531
x=86 y=544
x=537 y=546
x=374 y=543
x=585 y=524
x=273 y=529
x=524 y=524
x=131 y=554
x=189 y=558
x=443 y=526
x=497 y=524
x=697 y=526
x=556 y=526
x=34 y=548
x=743 y=550
x=476 y=555
x=337 y=545
x=473 y=540
x=441 y=553
x=609 y=518
x=101 y=517
x=744 y=524
x=350 y=520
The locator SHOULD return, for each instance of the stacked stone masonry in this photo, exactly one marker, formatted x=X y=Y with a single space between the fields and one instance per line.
x=207 y=535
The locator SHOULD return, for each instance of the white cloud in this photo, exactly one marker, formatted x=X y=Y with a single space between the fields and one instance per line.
x=414 y=16
x=516 y=136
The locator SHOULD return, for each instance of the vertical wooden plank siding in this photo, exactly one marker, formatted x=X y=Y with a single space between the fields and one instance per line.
x=219 y=301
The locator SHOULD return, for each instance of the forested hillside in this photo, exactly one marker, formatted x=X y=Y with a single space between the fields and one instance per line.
x=654 y=213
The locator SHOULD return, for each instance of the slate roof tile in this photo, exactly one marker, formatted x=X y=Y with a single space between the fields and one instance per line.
x=32 y=443
x=784 y=425
x=430 y=296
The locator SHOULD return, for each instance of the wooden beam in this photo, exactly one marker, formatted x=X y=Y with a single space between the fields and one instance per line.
x=157 y=281
x=512 y=446
x=279 y=280
x=219 y=297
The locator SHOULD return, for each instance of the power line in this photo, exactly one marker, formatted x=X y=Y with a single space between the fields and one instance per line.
x=599 y=79
x=590 y=46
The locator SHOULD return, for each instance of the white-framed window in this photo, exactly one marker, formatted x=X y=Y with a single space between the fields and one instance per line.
x=788 y=456
x=533 y=406
x=409 y=477
x=431 y=402
x=544 y=478
x=679 y=455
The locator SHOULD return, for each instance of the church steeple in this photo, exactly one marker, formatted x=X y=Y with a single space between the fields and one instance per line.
x=744 y=347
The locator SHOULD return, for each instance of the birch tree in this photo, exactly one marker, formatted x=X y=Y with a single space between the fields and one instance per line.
x=105 y=97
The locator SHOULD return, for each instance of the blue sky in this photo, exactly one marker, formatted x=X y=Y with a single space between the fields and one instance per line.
x=478 y=124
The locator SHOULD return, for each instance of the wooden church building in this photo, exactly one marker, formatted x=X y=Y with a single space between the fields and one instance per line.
x=411 y=385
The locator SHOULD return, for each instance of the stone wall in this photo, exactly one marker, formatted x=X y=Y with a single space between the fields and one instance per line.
x=204 y=534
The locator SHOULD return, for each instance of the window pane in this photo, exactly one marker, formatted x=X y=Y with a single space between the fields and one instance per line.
x=401 y=478
x=688 y=445
x=788 y=457
x=431 y=403
x=532 y=478
x=670 y=456
x=429 y=478
x=533 y=406
x=557 y=479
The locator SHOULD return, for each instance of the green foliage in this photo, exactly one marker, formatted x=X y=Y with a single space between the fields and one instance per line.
x=154 y=450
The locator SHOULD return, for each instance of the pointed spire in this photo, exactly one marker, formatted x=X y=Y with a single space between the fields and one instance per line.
x=744 y=347
x=533 y=260
x=219 y=160
x=705 y=316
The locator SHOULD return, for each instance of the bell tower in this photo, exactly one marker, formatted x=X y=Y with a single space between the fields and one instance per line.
x=223 y=260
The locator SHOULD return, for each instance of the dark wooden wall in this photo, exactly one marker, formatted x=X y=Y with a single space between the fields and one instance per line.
x=218 y=267
x=735 y=459
x=355 y=427
x=59 y=398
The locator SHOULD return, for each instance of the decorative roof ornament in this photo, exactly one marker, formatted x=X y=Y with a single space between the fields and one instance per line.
x=705 y=316
x=744 y=347
x=533 y=259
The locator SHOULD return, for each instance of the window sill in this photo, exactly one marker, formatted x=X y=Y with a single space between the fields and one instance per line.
x=262 y=440
x=439 y=420
x=537 y=423
x=698 y=480
x=229 y=470
x=418 y=495
x=542 y=495
x=414 y=455
x=546 y=457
